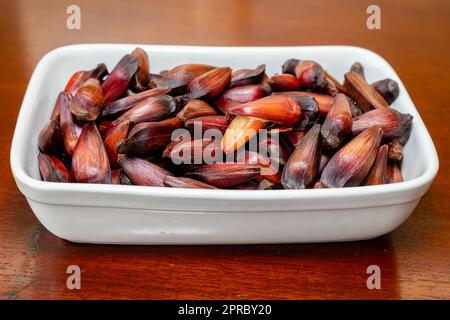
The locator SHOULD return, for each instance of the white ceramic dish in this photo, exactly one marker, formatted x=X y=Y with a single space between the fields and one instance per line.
x=150 y=215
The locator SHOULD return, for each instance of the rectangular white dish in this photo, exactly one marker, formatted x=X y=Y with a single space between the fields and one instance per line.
x=150 y=215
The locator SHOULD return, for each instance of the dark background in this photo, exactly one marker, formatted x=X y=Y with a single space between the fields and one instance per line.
x=414 y=260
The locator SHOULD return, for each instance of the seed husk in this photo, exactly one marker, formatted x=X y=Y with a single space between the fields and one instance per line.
x=208 y=122
x=210 y=84
x=265 y=84
x=87 y=102
x=334 y=86
x=265 y=184
x=358 y=68
x=148 y=137
x=239 y=131
x=180 y=139
x=242 y=94
x=275 y=149
x=355 y=109
x=50 y=137
x=364 y=94
x=311 y=75
x=395 y=125
x=393 y=173
x=156 y=80
x=324 y=158
x=244 y=77
x=90 y=162
x=142 y=172
x=377 y=174
x=289 y=66
x=238 y=95
x=141 y=78
x=116 y=84
x=115 y=176
x=125 y=179
x=395 y=151
x=194 y=109
x=270 y=169
x=181 y=182
x=337 y=124
x=70 y=130
x=295 y=136
x=103 y=127
x=310 y=112
x=284 y=82
x=52 y=169
x=301 y=169
x=113 y=136
x=388 y=88
x=255 y=115
x=249 y=185
x=224 y=175
x=281 y=110
x=151 y=109
x=186 y=151
x=80 y=77
x=179 y=77
x=318 y=185
x=173 y=123
x=57 y=107
x=350 y=165
x=325 y=102
x=126 y=103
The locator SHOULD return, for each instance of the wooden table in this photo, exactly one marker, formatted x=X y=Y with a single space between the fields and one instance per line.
x=414 y=260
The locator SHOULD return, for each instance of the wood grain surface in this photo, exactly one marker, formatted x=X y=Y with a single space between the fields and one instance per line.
x=414 y=259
